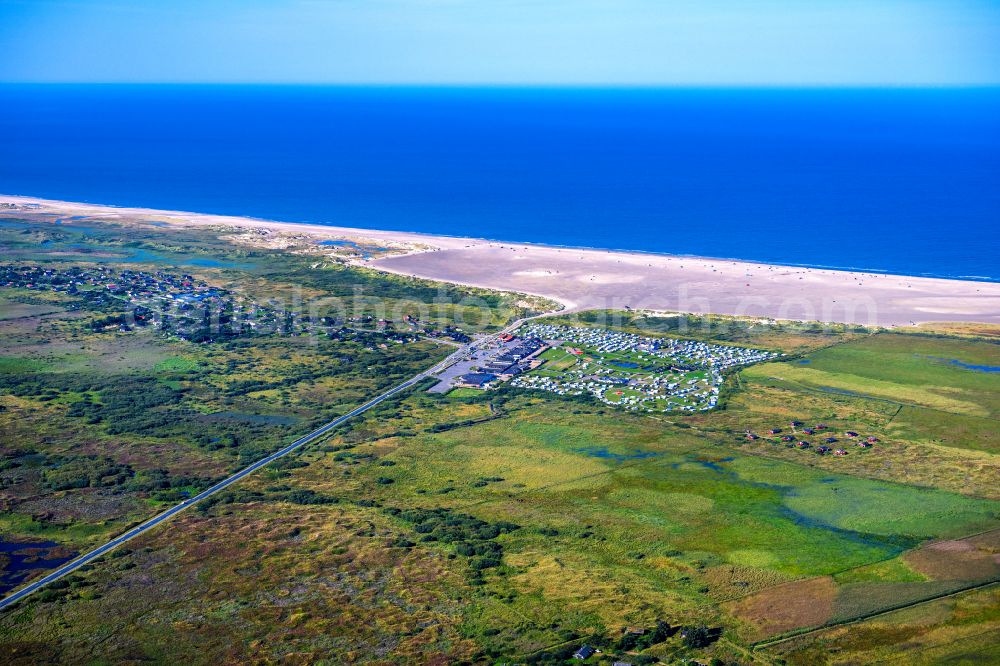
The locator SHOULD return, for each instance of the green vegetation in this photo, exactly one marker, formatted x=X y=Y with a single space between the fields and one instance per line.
x=902 y=369
x=506 y=526
x=87 y=412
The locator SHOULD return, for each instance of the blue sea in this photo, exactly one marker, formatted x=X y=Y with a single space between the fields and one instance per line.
x=899 y=181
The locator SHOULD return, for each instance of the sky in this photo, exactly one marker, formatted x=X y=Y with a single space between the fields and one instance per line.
x=504 y=42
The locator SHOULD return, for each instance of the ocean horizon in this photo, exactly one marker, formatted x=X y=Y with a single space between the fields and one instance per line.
x=902 y=181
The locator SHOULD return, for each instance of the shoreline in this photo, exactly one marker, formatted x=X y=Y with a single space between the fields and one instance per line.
x=592 y=278
x=428 y=238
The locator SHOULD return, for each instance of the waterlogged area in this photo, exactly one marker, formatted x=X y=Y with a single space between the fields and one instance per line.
x=21 y=560
x=142 y=256
x=682 y=513
x=605 y=453
x=834 y=506
x=967 y=366
x=75 y=242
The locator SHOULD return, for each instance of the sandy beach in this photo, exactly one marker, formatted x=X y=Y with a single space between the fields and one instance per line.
x=598 y=279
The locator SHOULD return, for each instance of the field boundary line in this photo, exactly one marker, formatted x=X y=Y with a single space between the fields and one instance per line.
x=768 y=642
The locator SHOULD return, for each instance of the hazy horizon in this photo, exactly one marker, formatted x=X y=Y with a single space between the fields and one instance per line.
x=458 y=85
x=590 y=43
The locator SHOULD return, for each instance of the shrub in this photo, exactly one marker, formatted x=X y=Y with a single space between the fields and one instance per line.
x=697 y=636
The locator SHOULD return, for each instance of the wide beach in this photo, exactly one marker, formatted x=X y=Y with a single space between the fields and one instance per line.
x=599 y=279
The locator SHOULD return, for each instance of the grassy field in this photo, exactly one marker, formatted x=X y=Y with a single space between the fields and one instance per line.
x=13 y=309
x=556 y=361
x=904 y=369
x=961 y=629
x=99 y=430
x=499 y=526
x=619 y=521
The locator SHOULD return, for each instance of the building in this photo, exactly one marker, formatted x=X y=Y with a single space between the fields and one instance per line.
x=511 y=372
x=584 y=652
x=475 y=380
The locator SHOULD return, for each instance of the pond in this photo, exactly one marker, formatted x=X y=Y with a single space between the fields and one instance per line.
x=142 y=256
x=603 y=452
x=77 y=248
x=21 y=559
x=127 y=255
x=967 y=366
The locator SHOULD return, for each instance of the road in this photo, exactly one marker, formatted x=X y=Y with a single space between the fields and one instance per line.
x=142 y=528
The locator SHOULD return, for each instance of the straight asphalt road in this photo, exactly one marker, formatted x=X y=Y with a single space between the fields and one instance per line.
x=142 y=528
